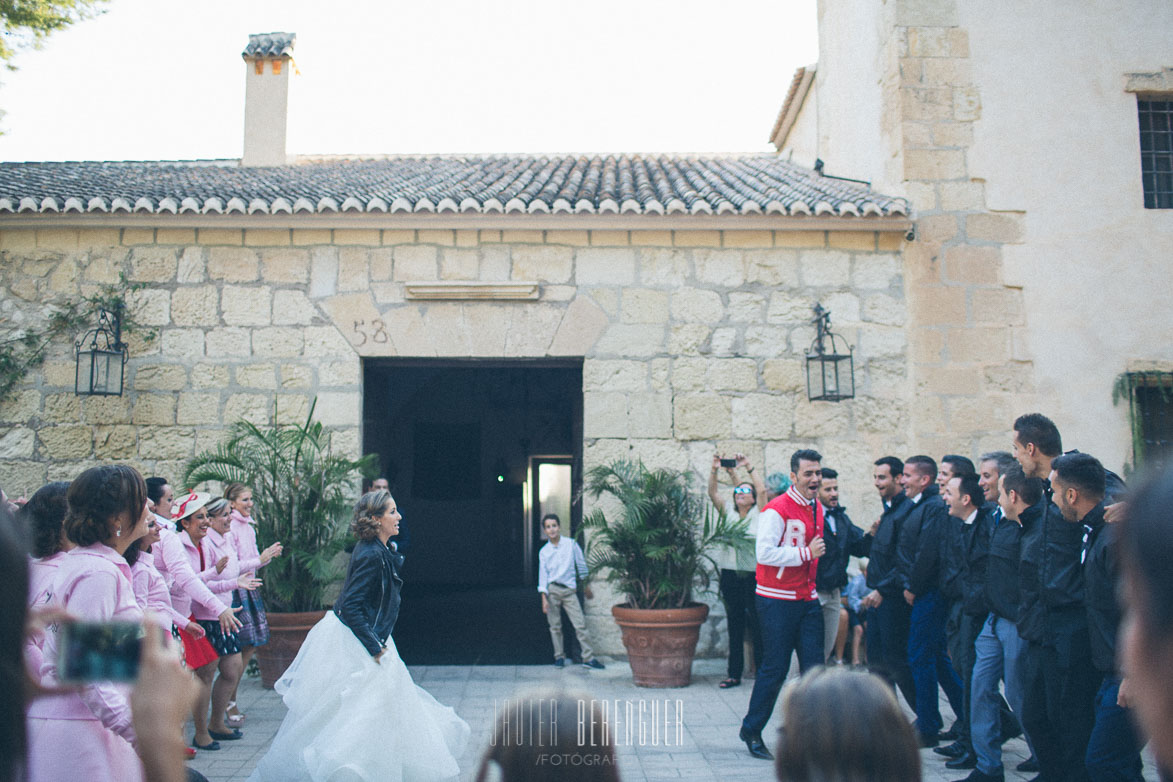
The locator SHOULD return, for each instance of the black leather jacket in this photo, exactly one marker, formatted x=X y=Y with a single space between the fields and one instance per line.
x=846 y=541
x=919 y=552
x=1001 y=589
x=1100 y=576
x=369 y=603
x=1051 y=579
x=977 y=558
x=883 y=575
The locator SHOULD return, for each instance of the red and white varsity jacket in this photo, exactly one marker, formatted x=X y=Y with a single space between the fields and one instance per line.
x=786 y=569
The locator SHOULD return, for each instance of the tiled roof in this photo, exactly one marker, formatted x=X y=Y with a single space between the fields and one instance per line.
x=270 y=45
x=556 y=184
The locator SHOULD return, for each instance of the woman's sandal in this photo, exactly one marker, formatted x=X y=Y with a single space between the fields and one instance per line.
x=730 y=682
x=232 y=716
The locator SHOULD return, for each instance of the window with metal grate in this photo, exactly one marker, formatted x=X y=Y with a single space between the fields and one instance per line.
x=1156 y=151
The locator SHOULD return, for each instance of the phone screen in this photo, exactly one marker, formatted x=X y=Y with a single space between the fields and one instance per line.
x=98 y=651
x=728 y=462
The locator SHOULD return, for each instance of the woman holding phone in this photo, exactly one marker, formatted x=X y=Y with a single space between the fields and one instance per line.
x=348 y=681
x=88 y=734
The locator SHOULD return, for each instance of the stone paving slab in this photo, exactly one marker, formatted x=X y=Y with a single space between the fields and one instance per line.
x=709 y=749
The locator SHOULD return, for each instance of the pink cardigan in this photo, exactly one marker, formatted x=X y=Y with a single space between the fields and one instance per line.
x=93 y=583
x=41 y=574
x=215 y=546
x=151 y=592
x=243 y=535
x=189 y=594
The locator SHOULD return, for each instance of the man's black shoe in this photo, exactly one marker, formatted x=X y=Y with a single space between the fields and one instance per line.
x=928 y=740
x=954 y=750
x=977 y=776
x=1028 y=765
x=756 y=746
x=968 y=760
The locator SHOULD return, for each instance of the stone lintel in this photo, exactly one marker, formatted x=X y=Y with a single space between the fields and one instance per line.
x=463 y=290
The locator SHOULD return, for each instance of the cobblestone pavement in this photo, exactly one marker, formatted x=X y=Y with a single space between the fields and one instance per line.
x=708 y=749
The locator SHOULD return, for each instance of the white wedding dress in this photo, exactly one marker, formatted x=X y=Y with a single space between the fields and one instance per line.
x=353 y=719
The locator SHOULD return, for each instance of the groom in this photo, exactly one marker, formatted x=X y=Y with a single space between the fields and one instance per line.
x=789 y=544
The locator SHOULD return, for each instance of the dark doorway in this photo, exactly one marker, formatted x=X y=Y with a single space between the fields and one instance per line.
x=473 y=450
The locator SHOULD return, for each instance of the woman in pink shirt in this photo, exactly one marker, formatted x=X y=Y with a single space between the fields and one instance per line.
x=254 y=629
x=88 y=734
x=44 y=515
x=207 y=608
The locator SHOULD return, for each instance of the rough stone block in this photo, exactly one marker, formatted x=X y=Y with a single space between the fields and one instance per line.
x=928 y=345
x=783 y=374
x=354 y=271
x=884 y=309
x=690 y=374
x=399 y=236
x=746 y=307
x=967 y=104
x=649 y=415
x=934 y=164
x=62 y=408
x=963 y=196
x=466 y=238
x=115 y=442
x=599 y=266
x=701 y=416
x=998 y=306
x=517 y=237
x=232 y=264
x=246 y=305
x=340 y=373
x=66 y=442
x=153 y=264
x=659 y=266
x=763 y=415
x=604 y=375
x=59 y=373
x=18 y=240
x=696 y=238
x=608 y=238
x=291 y=409
x=974 y=265
x=688 y=338
x=918 y=135
x=159 y=377
x=995 y=227
x=948 y=380
x=772 y=267
x=748 y=238
x=573 y=238
x=444 y=237
x=984 y=346
x=948 y=71
x=726 y=268
x=296 y=375
x=532 y=329
x=130 y=236
x=543 y=263
x=825 y=268
x=326 y=341
x=292 y=308
x=254 y=408
x=198 y=408
x=788 y=307
x=267 y=237
x=954 y=134
x=844 y=307
x=875 y=272
x=731 y=374
x=339 y=408
x=192 y=266
x=460 y=264
x=158 y=409
x=105 y=269
x=765 y=341
x=644 y=305
x=227 y=343
x=1016 y=377
x=927 y=104
x=415 y=262
x=381 y=261
x=631 y=340
x=167 y=442
x=150 y=306
x=17 y=443
x=938 y=304
x=323 y=271
x=881 y=341
x=106 y=409
x=205 y=376
x=278 y=342
x=604 y=414
x=496 y=263
x=256 y=376
x=852 y=240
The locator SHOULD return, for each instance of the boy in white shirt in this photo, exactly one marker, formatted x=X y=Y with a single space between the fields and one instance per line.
x=559 y=563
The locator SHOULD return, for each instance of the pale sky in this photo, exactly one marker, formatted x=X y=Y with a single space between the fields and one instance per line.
x=163 y=79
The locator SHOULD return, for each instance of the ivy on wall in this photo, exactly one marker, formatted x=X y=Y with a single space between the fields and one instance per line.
x=23 y=350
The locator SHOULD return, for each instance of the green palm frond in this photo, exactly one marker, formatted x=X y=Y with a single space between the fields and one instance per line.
x=658 y=548
x=302 y=491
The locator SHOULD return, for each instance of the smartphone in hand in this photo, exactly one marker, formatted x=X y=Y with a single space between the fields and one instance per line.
x=98 y=651
x=730 y=463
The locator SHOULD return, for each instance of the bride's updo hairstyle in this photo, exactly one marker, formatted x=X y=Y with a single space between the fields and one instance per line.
x=367 y=511
x=98 y=497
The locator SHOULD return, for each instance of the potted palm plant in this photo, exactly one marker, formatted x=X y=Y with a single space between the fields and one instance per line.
x=302 y=492
x=657 y=549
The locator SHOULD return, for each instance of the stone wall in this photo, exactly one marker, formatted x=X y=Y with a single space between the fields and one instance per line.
x=692 y=340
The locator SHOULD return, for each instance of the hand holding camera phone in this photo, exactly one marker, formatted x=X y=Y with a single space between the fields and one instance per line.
x=98 y=651
x=729 y=464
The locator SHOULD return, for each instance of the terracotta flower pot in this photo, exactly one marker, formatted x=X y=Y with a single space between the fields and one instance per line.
x=287 y=632
x=661 y=642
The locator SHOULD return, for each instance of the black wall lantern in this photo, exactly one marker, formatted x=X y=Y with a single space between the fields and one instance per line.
x=101 y=357
x=830 y=368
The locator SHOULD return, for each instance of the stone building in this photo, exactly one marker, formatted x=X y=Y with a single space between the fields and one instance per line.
x=475 y=320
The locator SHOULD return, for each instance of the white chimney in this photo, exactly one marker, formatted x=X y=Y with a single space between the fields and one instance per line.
x=269 y=67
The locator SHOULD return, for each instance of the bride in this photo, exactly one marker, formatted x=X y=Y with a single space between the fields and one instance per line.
x=354 y=711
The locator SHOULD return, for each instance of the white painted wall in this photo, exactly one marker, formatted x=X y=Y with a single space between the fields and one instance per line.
x=802 y=142
x=1058 y=140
